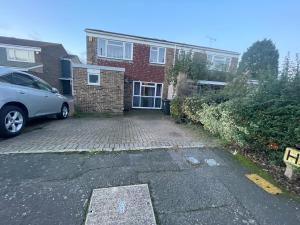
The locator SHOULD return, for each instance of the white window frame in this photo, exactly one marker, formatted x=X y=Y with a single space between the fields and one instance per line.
x=106 y=44
x=93 y=72
x=158 y=48
x=212 y=62
x=140 y=94
x=185 y=52
x=18 y=60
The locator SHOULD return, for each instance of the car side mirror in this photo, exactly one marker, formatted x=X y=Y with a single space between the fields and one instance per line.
x=54 y=90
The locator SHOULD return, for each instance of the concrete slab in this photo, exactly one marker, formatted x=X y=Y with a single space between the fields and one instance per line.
x=121 y=205
x=186 y=191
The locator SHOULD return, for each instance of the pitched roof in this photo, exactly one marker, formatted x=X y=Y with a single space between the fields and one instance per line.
x=73 y=58
x=159 y=40
x=24 y=42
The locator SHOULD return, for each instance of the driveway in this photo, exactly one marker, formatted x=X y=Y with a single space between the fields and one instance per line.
x=133 y=131
x=54 y=189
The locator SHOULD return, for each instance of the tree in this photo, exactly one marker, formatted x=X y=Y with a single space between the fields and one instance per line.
x=290 y=77
x=198 y=67
x=288 y=68
x=297 y=66
x=193 y=65
x=260 y=60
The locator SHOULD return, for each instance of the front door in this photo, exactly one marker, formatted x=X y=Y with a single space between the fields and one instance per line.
x=147 y=95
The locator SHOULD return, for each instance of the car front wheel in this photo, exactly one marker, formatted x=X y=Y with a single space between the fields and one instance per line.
x=12 y=121
x=64 y=112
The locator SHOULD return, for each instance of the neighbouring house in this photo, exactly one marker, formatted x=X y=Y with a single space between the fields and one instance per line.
x=141 y=62
x=204 y=85
x=49 y=61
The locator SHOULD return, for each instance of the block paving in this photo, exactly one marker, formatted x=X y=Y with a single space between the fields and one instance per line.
x=118 y=133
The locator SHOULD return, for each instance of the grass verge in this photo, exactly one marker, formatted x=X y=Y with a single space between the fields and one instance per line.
x=257 y=169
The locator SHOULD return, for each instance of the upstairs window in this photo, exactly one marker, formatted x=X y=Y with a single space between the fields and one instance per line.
x=219 y=63
x=115 y=49
x=157 y=55
x=20 y=55
x=182 y=53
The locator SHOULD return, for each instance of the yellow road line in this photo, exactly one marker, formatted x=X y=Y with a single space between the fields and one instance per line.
x=261 y=182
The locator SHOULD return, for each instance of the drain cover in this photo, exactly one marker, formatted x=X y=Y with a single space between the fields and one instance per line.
x=121 y=205
x=192 y=160
x=211 y=162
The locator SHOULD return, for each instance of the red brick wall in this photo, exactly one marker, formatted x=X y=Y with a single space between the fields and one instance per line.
x=137 y=69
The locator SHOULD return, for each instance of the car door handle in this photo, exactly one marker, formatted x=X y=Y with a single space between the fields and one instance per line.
x=46 y=96
x=22 y=92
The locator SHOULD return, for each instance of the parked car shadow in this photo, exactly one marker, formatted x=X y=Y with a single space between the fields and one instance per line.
x=36 y=124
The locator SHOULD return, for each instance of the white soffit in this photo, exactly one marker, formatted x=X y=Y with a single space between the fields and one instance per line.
x=20 y=47
x=96 y=67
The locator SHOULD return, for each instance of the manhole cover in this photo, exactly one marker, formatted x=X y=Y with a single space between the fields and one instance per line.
x=211 y=162
x=192 y=160
x=121 y=205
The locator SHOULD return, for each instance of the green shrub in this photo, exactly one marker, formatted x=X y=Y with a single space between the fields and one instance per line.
x=263 y=117
x=219 y=119
x=275 y=121
x=268 y=115
x=175 y=108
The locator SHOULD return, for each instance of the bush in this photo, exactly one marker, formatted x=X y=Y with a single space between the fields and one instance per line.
x=264 y=118
x=175 y=108
x=215 y=75
x=219 y=119
x=272 y=122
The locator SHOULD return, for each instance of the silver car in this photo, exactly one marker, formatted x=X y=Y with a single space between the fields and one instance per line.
x=24 y=96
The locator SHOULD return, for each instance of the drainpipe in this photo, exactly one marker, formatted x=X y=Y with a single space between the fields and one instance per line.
x=174 y=57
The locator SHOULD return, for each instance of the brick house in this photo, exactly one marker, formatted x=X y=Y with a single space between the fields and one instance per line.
x=146 y=62
x=48 y=61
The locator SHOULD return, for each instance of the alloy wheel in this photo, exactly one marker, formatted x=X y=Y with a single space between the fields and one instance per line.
x=14 y=121
x=65 y=111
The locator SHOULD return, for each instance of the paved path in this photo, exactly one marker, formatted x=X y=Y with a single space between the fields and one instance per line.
x=134 y=131
x=54 y=189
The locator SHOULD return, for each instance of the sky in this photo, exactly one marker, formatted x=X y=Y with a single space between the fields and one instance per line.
x=233 y=24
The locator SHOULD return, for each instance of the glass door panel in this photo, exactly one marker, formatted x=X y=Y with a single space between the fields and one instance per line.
x=147 y=102
x=158 y=89
x=157 y=103
x=148 y=91
x=137 y=86
x=146 y=95
x=136 y=101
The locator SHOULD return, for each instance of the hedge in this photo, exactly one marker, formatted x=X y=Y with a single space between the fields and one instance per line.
x=260 y=120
